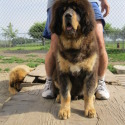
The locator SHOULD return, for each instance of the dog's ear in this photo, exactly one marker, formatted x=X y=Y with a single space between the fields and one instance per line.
x=87 y=24
x=87 y=21
x=56 y=22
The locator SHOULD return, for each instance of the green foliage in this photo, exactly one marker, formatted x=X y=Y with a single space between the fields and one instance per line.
x=21 y=40
x=31 y=55
x=9 y=33
x=108 y=28
x=32 y=64
x=1 y=57
x=40 y=60
x=36 y=30
x=112 y=32
x=7 y=69
x=0 y=69
x=12 y=60
x=116 y=55
x=112 y=69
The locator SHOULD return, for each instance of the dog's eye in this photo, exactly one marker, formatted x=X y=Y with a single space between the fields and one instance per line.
x=64 y=8
x=74 y=7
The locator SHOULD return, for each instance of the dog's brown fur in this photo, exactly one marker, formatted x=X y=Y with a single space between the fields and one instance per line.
x=17 y=76
x=77 y=56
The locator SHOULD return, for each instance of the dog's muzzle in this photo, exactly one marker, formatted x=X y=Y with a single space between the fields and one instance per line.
x=68 y=20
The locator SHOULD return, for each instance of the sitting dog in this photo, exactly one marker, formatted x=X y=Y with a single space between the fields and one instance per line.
x=17 y=76
x=77 y=55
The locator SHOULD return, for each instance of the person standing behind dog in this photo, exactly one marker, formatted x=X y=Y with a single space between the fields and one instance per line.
x=101 y=91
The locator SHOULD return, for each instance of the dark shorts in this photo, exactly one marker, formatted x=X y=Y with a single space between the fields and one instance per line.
x=98 y=16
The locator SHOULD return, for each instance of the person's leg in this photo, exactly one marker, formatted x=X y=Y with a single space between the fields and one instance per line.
x=49 y=66
x=50 y=57
x=50 y=60
x=102 y=92
x=103 y=57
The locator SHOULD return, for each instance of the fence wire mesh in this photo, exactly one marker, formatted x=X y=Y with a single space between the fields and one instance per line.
x=19 y=16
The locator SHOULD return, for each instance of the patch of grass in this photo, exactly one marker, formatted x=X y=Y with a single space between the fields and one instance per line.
x=38 y=60
x=13 y=60
x=112 y=69
x=116 y=55
x=7 y=69
x=30 y=47
x=31 y=55
x=1 y=57
x=0 y=69
x=29 y=60
x=32 y=64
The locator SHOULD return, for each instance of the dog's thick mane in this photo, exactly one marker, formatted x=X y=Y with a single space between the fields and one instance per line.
x=81 y=47
x=87 y=19
x=85 y=47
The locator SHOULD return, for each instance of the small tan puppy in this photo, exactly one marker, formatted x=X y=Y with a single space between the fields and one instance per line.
x=16 y=77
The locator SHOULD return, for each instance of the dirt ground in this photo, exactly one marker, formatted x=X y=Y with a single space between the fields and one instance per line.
x=4 y=76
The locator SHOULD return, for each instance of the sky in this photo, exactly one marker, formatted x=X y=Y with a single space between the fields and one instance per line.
x=24 y=13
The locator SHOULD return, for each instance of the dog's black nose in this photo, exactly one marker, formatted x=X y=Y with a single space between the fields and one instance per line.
x=68 y=16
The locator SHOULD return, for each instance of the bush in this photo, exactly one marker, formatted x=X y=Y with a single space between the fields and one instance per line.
x=36 y=30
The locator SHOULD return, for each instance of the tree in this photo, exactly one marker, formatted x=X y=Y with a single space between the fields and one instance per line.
x=115 y=34
x=36 y=31
x=112 y=32
x=9 y=33
x=122 y=34
x=108 y=28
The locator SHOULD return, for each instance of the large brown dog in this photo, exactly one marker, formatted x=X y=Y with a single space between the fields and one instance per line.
x=77 y=55
x=17 y=76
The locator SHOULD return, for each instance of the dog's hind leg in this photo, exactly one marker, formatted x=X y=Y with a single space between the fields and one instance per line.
x=89 y=90
x=64 y=112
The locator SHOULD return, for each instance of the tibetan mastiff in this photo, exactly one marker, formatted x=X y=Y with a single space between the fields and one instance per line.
x=77 y=55
x=16 y=77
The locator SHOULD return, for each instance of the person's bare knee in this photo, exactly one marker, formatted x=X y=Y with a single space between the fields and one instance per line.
x=54 y=44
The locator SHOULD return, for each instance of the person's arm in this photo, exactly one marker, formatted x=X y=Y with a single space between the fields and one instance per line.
x=105 y=6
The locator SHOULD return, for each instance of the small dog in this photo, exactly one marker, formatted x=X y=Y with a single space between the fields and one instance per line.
x=77 y=55
x=17 y=76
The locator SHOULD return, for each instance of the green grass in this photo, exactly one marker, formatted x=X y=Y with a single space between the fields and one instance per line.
x=35 y=63
x=112 y=69
x=116 y=55
x=12 y=60
x=0 y=69
x=19 y=60
x=31 y=55
x=32 y=64
x=30 y=47
x=38 y=60
x=7 y=69
x=114 y=45
x=1 y=57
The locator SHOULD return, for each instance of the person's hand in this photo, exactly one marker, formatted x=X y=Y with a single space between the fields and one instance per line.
x=105 y=7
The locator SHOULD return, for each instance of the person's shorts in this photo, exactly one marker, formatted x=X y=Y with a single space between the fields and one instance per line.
x=98 y=16
x=47 y=32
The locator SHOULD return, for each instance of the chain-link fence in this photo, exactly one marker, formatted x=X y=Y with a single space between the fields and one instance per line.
x=19 y=16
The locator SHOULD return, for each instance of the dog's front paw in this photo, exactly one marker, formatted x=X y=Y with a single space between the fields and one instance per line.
x=64 y=113
x=91 y=113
